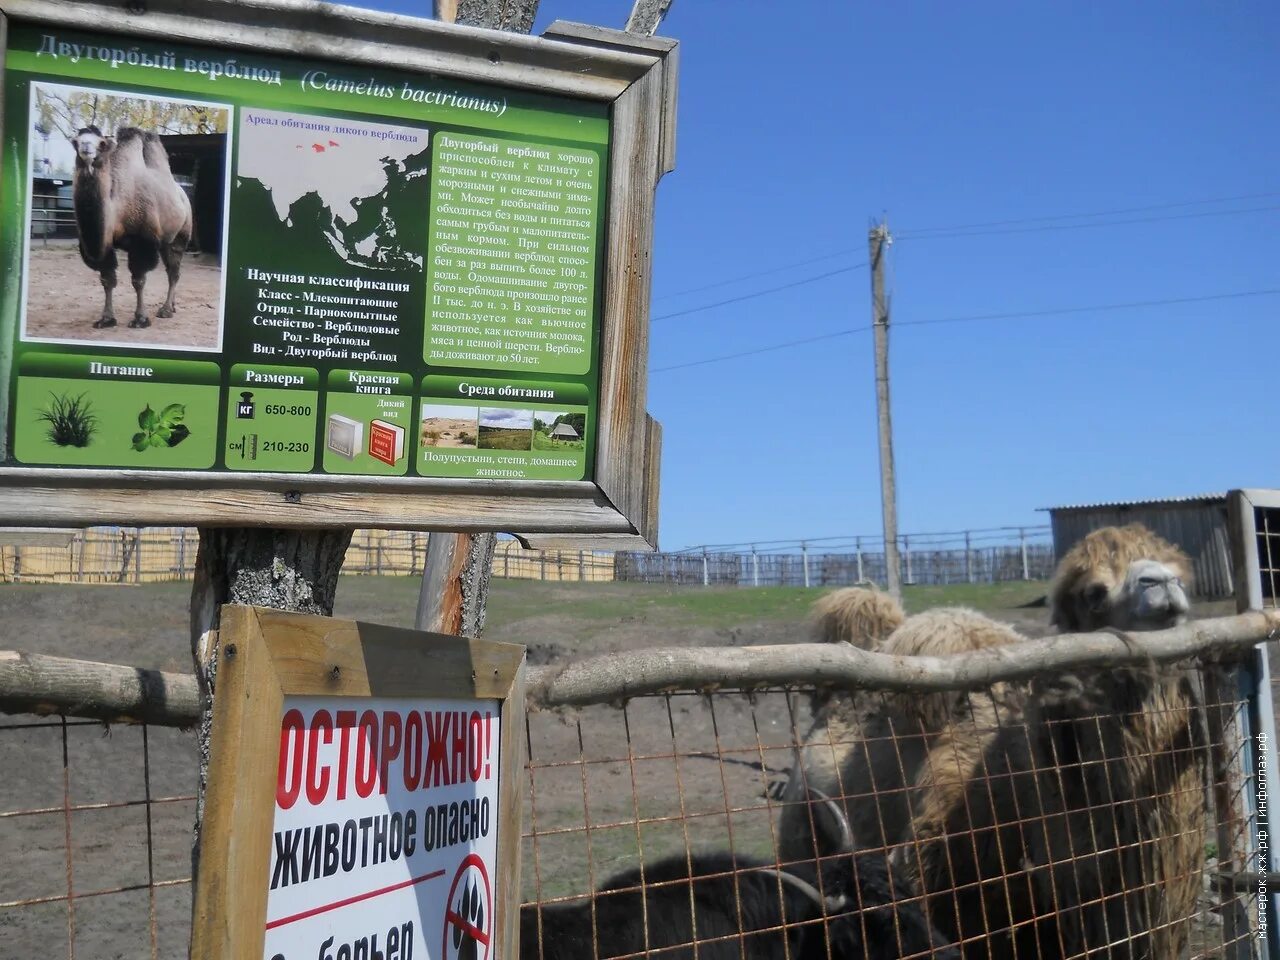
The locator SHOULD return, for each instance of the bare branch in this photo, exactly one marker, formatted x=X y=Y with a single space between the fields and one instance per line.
x=646 y=15
x=612 y=677
x=33 y=683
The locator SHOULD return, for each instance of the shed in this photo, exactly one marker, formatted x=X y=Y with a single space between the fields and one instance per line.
x=1197 y=524
x=564 y=431
x=198 y=161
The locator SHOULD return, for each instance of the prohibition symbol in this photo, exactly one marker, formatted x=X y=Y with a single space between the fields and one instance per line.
x=468 y=913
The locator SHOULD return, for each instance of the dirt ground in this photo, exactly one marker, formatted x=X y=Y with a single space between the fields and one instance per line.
x=64 y=299
x=605 y=786
x=450 y=429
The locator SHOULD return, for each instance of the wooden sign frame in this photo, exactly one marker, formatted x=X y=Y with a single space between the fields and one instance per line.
x=267 y=655
x=636 y=76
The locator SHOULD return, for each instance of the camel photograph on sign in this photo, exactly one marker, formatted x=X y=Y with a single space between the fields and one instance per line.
x=111 y=176
x=363 y=796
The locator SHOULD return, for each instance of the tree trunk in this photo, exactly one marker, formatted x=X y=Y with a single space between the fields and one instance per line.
x=455 y=583
x=294 y=570
x=513 y=15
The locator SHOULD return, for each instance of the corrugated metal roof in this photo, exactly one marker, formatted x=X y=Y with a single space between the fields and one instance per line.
x=1159 y=501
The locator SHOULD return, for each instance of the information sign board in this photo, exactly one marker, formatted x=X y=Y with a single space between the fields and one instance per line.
x=235 y=261
x=363 y=793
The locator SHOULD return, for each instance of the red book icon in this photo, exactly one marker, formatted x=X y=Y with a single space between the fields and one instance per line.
x=386 y=442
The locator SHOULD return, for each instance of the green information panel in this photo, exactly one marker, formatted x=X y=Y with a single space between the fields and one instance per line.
x=232 y=262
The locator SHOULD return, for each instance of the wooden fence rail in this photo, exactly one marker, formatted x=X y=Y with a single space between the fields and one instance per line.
x=39 y=684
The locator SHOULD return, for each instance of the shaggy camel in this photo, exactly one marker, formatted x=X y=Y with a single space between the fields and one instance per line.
x=126 y=199
x=863 y=617
x=1058 y=819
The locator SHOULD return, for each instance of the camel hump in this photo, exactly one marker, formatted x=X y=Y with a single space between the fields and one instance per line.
x=153 y=152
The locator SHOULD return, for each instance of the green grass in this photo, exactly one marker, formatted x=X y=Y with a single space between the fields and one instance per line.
x=393 y=600
x=543 y=441
x=980 y=596
x=71 y=420
x=504 y=438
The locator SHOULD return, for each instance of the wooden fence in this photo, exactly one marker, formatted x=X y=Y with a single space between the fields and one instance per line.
x=158 y=554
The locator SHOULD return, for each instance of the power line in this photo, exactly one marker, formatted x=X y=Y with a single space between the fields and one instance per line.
x=752 y=276
x=964 y=230
x=972 y=318
x=769 y=349
x=1098 y=213
x=759 y=293
x=1082 y=226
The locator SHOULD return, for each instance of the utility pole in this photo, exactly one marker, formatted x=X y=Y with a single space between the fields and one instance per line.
x=878 y=241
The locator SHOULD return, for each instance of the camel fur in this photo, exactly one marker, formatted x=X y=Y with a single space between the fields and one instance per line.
x=868 y=748
x=1057 y=819
x=1130 y=578
x=862 y=616
x=126 y=199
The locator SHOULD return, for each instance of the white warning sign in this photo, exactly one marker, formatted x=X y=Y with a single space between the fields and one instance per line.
x=385 y=832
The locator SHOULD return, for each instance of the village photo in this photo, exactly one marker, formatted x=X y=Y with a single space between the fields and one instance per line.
x=126 y=210
x=557 y=430
x=445 y=425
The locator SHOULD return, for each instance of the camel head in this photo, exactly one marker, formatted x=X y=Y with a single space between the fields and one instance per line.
x=1126 y=578
x=92 y=147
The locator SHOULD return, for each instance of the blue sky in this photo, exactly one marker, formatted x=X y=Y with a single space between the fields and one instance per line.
x=796 y=131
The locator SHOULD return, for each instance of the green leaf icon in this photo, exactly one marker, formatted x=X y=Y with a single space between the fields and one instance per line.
x=147 y=419
x=173 y=413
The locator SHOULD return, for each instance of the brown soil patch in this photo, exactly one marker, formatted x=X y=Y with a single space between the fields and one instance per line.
x=64 y=298
x=449 y=428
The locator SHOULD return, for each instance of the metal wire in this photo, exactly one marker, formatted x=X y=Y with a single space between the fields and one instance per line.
x=637 y=800
x=1053 y=852
x=70 y=831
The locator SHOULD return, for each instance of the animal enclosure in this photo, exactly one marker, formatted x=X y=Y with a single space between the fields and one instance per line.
x=634 y=785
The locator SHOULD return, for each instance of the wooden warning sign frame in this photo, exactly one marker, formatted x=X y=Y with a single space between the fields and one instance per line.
x=633 y=78
x=268 y=656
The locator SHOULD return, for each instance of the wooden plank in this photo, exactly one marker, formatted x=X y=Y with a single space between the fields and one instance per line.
x=664 y=47
x=345 y=33
x=511 y=764
x=571 y=541
x=322 y=656
x=647 y=521
x=267 y=655
x=298 y=502
x=36 y=536
x=606 y=39
x=229 y=911
x=1244 y=553
x=624 y=348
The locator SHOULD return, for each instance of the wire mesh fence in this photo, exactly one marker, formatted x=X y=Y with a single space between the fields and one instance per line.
x=993 y=555
x=1012 y=849
x=159 y=554
x=95 y=825
x=1096 y=814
